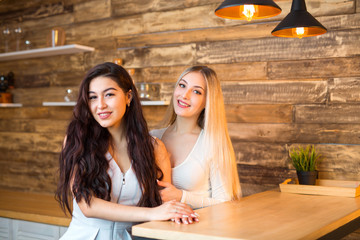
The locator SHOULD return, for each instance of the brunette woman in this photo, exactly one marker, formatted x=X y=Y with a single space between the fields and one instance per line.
x=109 y=164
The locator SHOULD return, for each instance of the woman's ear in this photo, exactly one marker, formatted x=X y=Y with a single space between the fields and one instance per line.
x=129 y=97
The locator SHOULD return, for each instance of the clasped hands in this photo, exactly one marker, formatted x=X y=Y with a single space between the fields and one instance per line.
x=171 y=193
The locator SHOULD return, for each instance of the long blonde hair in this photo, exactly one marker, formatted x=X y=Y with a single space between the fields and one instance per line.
x=213 y=121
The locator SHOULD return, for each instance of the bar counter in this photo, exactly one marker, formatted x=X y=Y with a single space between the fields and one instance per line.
x=266 y=215
x=34 y=207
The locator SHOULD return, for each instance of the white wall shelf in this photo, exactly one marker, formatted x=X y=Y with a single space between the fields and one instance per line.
x=11 y=105
x=144 y=103
x=55 y=104
x=154 y=103
x=45 y=52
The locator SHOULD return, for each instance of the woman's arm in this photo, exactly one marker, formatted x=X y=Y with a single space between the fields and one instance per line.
x=218 y=192
x=100 y=208
x=162 y=159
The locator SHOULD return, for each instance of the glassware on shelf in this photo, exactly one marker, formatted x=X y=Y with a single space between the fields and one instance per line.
x=6 y=34
x=56 y=37
x=70 y=95
x=18 y=33
x=131 y=71
x=148 y=91
x=118 y=61
x=28 y=44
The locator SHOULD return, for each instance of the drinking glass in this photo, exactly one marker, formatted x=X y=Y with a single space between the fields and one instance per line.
x=18 y=33
x=6 y=32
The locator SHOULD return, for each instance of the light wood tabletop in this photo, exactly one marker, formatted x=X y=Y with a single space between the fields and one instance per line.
x=35 y=207
x=266 y=215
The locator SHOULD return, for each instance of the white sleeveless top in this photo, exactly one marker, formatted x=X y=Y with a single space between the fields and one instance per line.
x=197 y=177
x=125 y=190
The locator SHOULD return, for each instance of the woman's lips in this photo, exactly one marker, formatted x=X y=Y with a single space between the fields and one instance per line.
x=104 y=115
x=183 y=104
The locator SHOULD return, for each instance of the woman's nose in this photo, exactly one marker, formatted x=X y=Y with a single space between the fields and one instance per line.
x=101 y=103
x=186 y=94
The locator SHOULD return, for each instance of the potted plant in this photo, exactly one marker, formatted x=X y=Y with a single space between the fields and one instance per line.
x=305 y=161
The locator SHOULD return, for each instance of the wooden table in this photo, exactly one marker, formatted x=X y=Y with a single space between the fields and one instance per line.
x=266 y=215
x=35 y=207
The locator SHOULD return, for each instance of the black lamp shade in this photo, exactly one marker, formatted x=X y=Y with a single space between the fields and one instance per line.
x=233 y=9
x=299 y=17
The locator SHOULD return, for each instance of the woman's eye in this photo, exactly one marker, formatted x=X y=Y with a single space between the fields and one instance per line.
x=109 y=94
x=181 y=85
x=92 y=97
x=197 y=92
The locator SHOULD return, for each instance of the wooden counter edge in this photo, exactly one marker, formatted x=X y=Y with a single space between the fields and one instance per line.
x=147 y=232
x=333 y=226
x=24 y=206
x=59 y=221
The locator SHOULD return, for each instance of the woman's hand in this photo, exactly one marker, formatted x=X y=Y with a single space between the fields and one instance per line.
x=170 y=192
x=175 y=211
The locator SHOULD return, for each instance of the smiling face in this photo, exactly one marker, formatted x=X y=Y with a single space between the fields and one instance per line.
x=190 y=95
x=107 y=102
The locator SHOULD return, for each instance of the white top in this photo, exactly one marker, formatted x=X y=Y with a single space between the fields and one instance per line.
x=196 y=176
x=125 y=190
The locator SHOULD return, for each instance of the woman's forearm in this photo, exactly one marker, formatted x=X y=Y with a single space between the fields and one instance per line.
x=100 y=208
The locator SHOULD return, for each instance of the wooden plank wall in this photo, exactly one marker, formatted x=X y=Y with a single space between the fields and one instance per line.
x=278 y=92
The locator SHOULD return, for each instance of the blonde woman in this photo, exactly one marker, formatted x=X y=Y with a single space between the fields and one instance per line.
x=204 y=170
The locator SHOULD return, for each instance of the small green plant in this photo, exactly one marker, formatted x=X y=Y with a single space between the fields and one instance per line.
x=305 y=159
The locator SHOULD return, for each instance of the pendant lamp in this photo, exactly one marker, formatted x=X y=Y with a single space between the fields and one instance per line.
x=247 y=9
x=299 y=23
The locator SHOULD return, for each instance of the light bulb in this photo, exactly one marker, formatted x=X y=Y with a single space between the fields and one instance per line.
x=249 y=11
x=299 y=32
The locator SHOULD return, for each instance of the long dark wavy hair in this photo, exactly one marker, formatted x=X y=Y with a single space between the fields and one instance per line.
x=82 y=158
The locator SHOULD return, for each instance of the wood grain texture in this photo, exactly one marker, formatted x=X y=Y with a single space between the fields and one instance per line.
x=340 y=158
x=46 y=65
x=165 y=56
x=92 y=10
x=154 y=115
x=337 y=113
x=225 y=72
x=345 y=90
x=277 y=113
x=34 y=171
x=198 y=35
x=125 y=7
x=47 y=142
x=33 y=207
x=33 y=113
x=30 y=177
x=316 y=68
x=34 y=125
x=35 y=10
x=277 y=156
x=262 y=154
x=203 y=16
x=270 y=214
x=226 y=32
x=36 y=96
x=296 y=133
x=339 y=44
x=274 y=92
x=270 y=177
